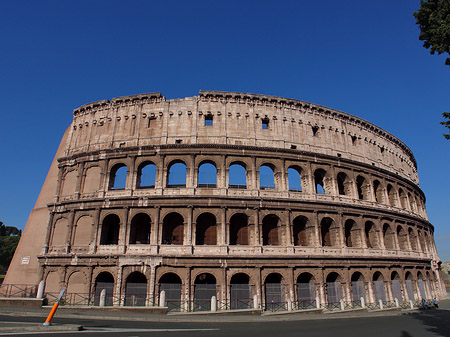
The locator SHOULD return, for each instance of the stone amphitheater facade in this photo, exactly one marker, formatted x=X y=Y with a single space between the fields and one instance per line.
x=342 y=216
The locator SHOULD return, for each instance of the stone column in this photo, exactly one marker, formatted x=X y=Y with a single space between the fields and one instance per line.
x=224 y=228
x=154 y=241
x=288 y=229
x=123 y=231
x=95 y=232
x=257 y=233
x=69 y=234
x=50 y=227
x=189 y=230
x=371 y=294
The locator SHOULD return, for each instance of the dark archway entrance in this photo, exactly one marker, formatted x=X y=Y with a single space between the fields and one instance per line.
x=240 y=292
x=135 y=290
x=274 y=289
x=204 y=289
x=170 y=283
x=306 y=291
x=104 y=280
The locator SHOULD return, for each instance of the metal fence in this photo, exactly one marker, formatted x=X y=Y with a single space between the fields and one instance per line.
x=18 y=290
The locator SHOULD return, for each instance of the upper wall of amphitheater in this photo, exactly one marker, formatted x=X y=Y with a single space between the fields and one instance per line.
x=236 y=119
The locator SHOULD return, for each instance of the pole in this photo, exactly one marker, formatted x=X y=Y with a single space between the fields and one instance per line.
x=53 y=311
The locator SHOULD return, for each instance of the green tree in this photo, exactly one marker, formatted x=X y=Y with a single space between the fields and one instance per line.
x=433 y=18
x=446 y=123
x=9 y=238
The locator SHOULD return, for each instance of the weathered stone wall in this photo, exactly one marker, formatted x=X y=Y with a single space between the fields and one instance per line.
x=369 y=222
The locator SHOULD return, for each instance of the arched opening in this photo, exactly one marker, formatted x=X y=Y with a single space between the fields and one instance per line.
x=207 y=175
x=170 y=283
x=266 y=177
x=413 y=240
x=423 y=245
x=206 y=230
x=274 y=291
x=294 y=178
x=334 y=290
x=239 y=229
x=173 y=229
x=104 y=280
x=110 y=230
x=77 y=287
x=378 y=287
x=402 y=237
x=391 y=196
x=237 y=176
x=204 y=289
x=358 y=288
x=135 y=289
x=388 y=236
x=361 y=186
x=396 y=286
x=421 y=285
x=240 y=292
x=140 y=229
x=176 y=177
x=146 y=175
x=403 y=199
x=306 y=291
x=412 y=203
x=378 y=191
x=352 y=234
x=319 y=176
x=344 y=186
x=328 y=232
x=59 y=232
x=409 y=286
x=270 y=230
x=118 y=177
x=300 y=225
x=371 y=235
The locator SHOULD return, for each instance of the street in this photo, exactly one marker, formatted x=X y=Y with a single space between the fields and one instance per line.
x=426 y=323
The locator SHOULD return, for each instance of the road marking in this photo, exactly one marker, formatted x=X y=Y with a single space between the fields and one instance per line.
x=102 y=330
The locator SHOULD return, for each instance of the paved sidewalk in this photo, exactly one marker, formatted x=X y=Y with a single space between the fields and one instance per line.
x=139 y=315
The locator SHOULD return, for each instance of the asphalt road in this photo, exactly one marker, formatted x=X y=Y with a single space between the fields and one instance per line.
x=428 y=323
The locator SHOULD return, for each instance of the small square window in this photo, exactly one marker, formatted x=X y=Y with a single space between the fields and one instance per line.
x=178 y=141
x=265 y=123
x=208 y=120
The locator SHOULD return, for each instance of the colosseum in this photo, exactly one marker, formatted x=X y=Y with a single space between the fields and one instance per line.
x=229 y=201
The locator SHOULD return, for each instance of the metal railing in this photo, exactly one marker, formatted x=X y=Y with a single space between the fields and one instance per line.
x=18 y=290
x=275 y=306
x=304 y=305
x=241 y=187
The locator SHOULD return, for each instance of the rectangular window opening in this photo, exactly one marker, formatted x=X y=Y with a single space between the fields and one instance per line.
x=208 y=120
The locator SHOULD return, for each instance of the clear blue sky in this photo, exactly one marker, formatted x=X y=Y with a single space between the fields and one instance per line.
x=361 y=57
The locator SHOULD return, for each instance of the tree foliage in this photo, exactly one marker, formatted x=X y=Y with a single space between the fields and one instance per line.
x=446 y=123
x=433 y=18
x=9 y=238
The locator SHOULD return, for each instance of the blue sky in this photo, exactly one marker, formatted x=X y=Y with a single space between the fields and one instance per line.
x=361 y=57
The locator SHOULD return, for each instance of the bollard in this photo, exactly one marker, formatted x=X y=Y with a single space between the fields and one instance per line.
x=255 y=301
x=41 y=288
x=48 y=321
x=363 y=302
x=380 y=302
x=162 y=298
x=289 y=304
x=317 y=302
x=411 y=304
x=214 y=304
x=342 y=305
x=396 y=302
x=102 y=301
